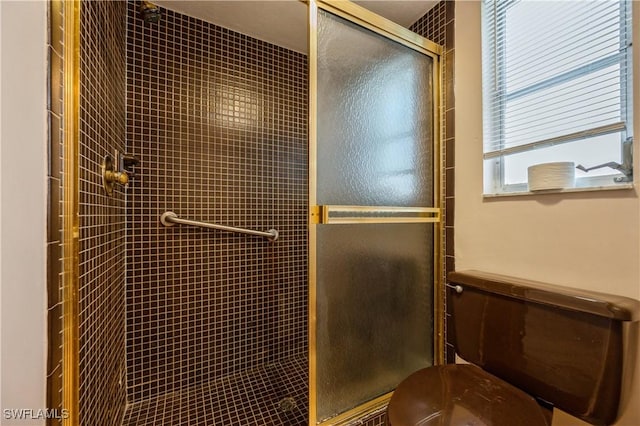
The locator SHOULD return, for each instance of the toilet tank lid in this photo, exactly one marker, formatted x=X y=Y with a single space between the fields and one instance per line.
x=605 y=305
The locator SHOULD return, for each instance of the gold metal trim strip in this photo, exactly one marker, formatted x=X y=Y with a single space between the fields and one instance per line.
x=439 y=309
x=380 y=220
x=358 y=412
x=376 y=23
x=71 y=220
x=420 y=214
x=312 y=238
x=380 y=209
x=315 y=215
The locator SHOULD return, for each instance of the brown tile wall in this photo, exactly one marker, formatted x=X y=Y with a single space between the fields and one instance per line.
x=438 y=25
x=219 y=122
x=102 y=242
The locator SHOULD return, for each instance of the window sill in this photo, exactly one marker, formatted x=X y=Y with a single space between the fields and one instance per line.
x=615 y=187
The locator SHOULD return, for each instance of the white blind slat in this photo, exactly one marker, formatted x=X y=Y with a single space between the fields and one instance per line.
x=553 y=71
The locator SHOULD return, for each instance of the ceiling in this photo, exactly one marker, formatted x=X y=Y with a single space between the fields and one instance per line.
x=284 y=22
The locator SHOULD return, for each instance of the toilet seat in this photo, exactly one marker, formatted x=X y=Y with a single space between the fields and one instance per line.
x=462 y=394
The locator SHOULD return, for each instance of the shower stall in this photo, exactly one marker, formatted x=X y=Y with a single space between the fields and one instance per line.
x=337 y=148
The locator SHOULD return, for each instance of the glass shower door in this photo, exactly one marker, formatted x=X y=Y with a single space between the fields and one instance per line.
x=374 y=208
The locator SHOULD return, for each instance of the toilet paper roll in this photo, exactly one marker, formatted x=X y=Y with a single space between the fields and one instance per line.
x=558 y=175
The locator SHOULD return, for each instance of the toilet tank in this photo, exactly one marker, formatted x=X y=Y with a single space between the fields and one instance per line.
x=561 y=345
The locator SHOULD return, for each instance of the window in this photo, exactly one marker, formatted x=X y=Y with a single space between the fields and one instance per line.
x=556 y=87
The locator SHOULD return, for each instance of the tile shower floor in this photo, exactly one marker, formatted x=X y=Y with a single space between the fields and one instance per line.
x=274 y=395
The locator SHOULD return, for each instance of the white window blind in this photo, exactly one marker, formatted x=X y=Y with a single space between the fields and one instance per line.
x=556 y=86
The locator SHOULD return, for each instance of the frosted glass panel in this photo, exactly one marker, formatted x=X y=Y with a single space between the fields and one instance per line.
x=374 y=119
x=373 y=282
x=374 y=310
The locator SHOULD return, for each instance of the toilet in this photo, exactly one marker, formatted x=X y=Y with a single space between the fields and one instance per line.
x=530 y=347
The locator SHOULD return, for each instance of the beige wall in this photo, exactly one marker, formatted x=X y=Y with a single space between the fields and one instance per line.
x=589 y=240
x=23 y=156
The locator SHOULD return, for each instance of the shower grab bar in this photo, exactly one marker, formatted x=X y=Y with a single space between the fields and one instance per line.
x=170 y=218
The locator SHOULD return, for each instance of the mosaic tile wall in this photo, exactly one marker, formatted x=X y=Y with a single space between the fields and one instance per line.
x=102 y=243
x=219 y=123
x=273 y=395
x=438 y=25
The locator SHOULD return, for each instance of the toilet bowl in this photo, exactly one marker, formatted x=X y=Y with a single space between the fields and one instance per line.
x=530 y=347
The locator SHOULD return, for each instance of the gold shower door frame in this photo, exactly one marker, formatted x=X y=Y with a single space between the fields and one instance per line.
x=321 y=215
x=70 y=211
